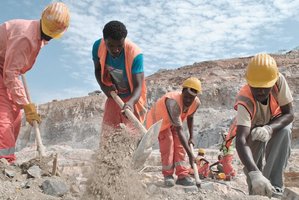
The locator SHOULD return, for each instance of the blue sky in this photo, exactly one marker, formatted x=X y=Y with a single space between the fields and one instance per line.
x=171 y=34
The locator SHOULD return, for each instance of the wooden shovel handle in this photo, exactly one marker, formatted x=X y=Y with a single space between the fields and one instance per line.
x=40 y=146
x=194 y=165
x=128 y=112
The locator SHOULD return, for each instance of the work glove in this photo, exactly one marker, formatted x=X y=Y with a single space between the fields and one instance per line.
x=31 y=114
x=260 y=184
x=263 y=133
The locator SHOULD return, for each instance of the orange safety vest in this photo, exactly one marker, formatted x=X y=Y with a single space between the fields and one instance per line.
x=246 y=99
x=159 y=110
x=131 y=51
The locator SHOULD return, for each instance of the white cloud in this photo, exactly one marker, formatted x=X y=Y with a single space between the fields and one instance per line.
x=171 y=33
x=287 y=8
x=175 y=33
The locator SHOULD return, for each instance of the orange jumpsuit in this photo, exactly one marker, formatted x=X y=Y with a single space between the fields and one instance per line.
x=226 y=162
x=172 y=151
x=20 y=43
x=202 y=167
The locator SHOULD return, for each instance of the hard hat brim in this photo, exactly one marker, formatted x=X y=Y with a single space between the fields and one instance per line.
x=47 y=32
x=262 y=84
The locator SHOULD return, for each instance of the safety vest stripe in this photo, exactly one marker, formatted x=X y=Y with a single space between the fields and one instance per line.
x=8 y=151
x=181 y=163
x=167 y=167
x=142 y=112
x=250 y=105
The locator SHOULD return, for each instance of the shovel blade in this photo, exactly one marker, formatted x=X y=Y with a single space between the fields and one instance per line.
x=144 y=148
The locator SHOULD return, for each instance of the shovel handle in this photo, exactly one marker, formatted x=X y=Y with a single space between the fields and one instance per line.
x=128 y=112
x=40 y=146
x=194 y=165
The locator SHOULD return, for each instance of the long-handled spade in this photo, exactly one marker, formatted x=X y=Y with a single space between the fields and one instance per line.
x=40 y=146
x=196 y=175
x=149 y=137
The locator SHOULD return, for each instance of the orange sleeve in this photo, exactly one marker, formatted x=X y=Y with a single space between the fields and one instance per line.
x=16 y=58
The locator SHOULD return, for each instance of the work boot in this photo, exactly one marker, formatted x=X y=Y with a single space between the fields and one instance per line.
x=169 y=181
x=186 y=181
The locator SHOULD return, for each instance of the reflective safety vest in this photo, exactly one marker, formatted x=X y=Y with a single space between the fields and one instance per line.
x=131 y=51
x=246 y=99
x=159 y=110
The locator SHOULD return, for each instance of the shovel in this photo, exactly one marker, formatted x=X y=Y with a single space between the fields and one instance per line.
x=40 y=146
x=149 y=136
x=196 y=175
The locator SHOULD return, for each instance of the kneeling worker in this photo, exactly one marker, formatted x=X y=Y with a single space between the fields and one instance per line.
x=264 y=117
x=202 y=163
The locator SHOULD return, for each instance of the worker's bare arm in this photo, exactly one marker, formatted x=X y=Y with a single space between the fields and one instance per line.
x=184 y=142
x=243 y=148
x=137 y=82
x=286 y=117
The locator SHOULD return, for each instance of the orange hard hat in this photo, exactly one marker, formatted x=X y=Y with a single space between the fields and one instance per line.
x=55 y=19
x=221 y=176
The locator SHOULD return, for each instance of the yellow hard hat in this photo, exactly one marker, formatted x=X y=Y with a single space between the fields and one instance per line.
x=262 y=71
x=55 y=19
x=201 y=151
x=192 y=83
x=221 y=176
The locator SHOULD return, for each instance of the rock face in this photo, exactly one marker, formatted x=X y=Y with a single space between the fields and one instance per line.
x=77 y=122
x=221 y=80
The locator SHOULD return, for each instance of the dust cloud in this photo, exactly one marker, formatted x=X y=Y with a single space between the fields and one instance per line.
x=113 y=177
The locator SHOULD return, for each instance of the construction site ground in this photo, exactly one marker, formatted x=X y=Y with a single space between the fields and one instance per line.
x=107 y=174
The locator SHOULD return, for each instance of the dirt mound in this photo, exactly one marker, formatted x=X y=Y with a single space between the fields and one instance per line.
x=113 y=176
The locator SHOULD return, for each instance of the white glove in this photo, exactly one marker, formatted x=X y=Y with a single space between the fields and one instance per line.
x=260 y=184
x=263 y=133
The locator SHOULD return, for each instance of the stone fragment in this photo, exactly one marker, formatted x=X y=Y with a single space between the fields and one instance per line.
x=34 y=172
x=10 y=173
x=54 y=187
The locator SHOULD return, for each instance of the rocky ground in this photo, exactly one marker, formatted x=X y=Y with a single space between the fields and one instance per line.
x=87 y=170
x=107 y=174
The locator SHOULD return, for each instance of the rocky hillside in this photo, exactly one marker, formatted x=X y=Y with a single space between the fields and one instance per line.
x=221 y=80
x=71 y=129
x=77 y=122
